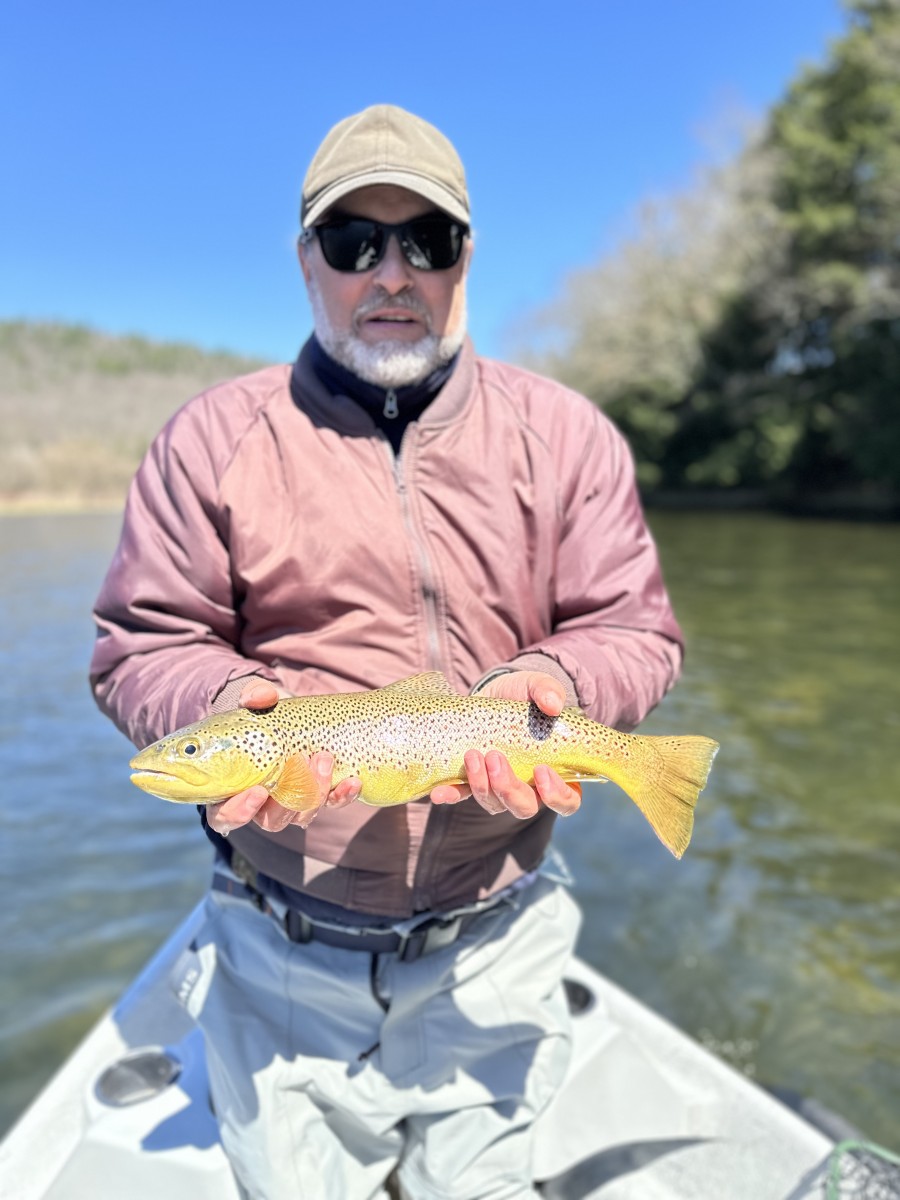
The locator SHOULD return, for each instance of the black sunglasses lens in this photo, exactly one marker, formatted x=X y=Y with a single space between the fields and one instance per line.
x=432 y=243
x=355 y=244
x=351 y=245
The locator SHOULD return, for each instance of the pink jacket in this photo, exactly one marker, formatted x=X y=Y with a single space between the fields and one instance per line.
x=271 y=531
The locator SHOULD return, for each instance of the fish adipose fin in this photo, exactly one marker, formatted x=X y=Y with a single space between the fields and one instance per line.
x=667 y=796
x=429 y=683
x=296 y=786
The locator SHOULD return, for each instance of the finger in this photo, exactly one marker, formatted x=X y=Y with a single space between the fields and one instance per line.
x=259 y=694
x=449 y=793
x=517 y=797
x=562 y=797
x=345 y=792
x=480 y=783
x=273 y=817
x=305 y=817
x=548 y=694
x=322 y=766
x=236 y=810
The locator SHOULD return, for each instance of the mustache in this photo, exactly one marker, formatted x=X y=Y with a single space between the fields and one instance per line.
x=382 y=299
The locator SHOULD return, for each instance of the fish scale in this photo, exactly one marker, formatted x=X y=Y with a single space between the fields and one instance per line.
x=405 y=739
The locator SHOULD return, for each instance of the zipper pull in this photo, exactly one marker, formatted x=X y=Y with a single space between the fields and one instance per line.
x=391 y=407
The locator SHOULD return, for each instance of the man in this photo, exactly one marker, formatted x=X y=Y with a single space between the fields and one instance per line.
x=383 y=986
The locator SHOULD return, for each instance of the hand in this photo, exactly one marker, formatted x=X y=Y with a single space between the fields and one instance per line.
x=255 y=804
x=490 y=777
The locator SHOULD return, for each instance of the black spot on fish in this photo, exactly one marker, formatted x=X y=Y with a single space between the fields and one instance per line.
x=540 y=726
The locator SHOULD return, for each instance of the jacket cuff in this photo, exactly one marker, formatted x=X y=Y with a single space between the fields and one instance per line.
x=491 y=675
x=230 y=695
x=533 y=662
x=549 y=666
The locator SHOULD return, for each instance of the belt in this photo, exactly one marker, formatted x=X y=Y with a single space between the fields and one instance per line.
x=409 y=944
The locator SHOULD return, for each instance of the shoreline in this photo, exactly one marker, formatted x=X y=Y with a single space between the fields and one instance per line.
x=50 y=506
x=837 y=505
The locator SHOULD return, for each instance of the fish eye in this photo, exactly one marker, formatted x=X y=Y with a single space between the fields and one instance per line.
x=190 y=748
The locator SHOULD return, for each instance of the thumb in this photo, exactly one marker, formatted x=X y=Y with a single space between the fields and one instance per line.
x=259 y=694
x=547 y=693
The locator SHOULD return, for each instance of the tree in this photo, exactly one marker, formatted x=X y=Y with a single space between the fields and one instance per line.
x=836 y=137
x=632 y=331
x=749 y=333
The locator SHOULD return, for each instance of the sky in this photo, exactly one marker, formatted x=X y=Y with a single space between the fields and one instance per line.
x=152 y=154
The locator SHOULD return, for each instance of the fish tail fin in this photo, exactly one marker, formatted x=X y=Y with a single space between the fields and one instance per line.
x=667 y=792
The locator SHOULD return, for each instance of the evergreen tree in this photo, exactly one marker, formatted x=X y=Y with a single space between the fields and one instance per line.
x=836 y=137
x=749 y=335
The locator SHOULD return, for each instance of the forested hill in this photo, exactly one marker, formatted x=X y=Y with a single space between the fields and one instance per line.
x=746 y=336
x=79 y=407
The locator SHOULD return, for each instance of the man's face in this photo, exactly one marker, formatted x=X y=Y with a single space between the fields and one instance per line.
x=394 y=324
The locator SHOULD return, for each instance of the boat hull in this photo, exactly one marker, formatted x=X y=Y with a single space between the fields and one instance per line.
x=645 y=1112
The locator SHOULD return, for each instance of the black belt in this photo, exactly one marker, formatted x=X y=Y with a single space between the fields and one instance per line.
x=434 y=933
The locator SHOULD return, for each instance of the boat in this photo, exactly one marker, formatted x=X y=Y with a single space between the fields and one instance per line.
x=645 y=1113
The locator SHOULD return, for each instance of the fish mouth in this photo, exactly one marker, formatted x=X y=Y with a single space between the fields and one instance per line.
x=146 y=773
x=168 y=785
x=154 y=766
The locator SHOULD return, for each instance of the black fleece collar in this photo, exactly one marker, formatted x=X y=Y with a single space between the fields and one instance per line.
x=391 y=409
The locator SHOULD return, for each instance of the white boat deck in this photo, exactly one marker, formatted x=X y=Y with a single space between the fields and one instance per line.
x=646 y=1114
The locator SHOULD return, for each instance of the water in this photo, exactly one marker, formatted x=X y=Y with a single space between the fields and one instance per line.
x=775 y=941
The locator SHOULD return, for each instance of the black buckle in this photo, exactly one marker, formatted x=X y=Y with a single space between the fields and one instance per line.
x=247 y=873
x=434 y=935
x=298 y=926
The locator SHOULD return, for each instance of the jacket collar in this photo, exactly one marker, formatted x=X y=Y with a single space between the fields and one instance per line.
x=341 y=413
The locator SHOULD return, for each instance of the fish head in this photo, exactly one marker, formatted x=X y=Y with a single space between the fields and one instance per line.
x=209 y=761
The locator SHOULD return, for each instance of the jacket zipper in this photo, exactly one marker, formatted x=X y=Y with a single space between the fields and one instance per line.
x=426 y=573
x=422 y=880
x=391 y=407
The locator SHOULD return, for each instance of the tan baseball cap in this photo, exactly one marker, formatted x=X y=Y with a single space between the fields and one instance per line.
x=385 y=144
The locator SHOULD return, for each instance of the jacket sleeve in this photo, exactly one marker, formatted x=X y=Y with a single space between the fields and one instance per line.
x=168 y=629
x=614 y=633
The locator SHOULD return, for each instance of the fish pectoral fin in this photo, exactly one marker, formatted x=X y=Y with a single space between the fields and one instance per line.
x=428 y=683
x=296 y=786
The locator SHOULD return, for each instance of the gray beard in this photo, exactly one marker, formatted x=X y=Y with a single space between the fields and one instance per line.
x=387 y=364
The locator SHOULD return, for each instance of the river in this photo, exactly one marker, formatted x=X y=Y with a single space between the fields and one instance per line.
x=775 y=941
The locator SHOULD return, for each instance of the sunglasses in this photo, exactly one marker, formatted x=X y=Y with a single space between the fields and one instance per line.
x=356 y=244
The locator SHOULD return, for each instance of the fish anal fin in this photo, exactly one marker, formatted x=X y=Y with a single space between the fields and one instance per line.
x=296 y=787
x=428 y=683
x=575 y=776
x=450 y=781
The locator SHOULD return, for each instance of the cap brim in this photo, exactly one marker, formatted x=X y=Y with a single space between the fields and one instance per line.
x=428 y=188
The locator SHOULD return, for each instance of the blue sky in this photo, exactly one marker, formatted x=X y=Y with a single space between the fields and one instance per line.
x=152 y=154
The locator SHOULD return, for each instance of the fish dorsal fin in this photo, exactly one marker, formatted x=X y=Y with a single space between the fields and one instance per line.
x=429 y=683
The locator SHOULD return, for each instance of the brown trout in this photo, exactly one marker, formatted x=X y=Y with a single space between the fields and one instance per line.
x=405 y=739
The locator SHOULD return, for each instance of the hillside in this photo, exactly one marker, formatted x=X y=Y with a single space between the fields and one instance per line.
x=79 y=407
